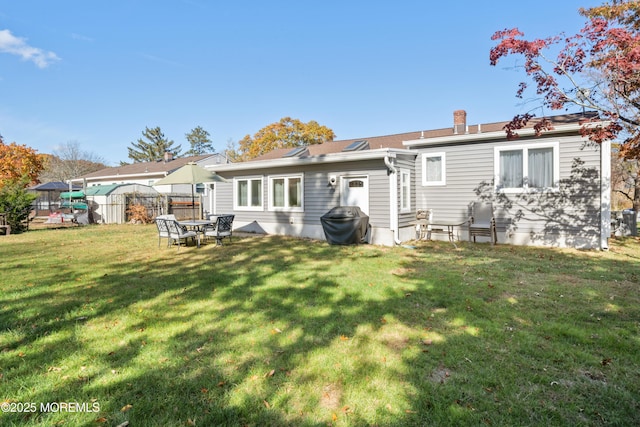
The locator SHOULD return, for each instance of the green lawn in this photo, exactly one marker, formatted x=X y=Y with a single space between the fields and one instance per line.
x=100 y=326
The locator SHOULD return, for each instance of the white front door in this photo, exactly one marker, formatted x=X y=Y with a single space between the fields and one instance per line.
x=354 y=191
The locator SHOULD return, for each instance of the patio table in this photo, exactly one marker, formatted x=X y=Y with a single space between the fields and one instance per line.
x=437 y=227
x=197 y=225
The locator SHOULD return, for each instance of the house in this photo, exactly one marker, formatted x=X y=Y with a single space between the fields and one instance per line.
x=146 y=173
x=551 y=189
x=109 y=188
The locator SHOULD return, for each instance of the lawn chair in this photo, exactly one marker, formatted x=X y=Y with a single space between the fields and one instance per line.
x=163 y=230
x=482 y=222
x=177 y=233
x=221 y=229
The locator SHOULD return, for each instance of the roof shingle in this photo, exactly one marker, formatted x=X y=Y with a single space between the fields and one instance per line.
x=146 y=167
x=395 y=141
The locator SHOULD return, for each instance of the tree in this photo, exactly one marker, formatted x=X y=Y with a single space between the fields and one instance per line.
x=152 y=147
x=232 y=151
x=15 y=202
x=625 y=182
x=200 y=143
x=597 y=69
x=286 y=133
x=18 y=162
x=70 y=161
x=19 y=167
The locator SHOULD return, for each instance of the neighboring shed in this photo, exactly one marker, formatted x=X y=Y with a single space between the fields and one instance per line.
x=110 y=202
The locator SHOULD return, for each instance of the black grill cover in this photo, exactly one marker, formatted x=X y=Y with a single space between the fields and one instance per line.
x=345 y=225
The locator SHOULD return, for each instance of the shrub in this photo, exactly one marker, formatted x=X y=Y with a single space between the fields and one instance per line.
x=16 y=202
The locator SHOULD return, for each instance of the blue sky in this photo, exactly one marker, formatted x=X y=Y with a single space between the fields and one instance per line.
x=98 y=73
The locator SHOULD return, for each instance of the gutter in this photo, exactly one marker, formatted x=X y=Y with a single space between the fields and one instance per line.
x=484 y=136
x=112 y=177
x=393 y=195
x=380 y=153
x=605 y=194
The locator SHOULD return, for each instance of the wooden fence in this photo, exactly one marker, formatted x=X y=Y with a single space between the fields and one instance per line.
x=114 y=208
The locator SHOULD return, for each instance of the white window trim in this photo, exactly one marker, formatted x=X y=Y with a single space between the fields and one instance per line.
x=525 y=167
x=235 y=193
x=286 y=195
x=407 y=208
x=441 y=182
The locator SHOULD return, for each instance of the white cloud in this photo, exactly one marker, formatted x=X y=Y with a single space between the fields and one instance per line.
x=18 y=46
x=160 y=60
x=81 y=37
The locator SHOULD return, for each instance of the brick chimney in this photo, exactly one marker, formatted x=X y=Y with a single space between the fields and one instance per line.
x=168 y=156
x=459 y=121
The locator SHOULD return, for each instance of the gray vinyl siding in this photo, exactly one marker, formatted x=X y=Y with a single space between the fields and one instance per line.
x=574 y=209
x=319 y=196
x=224 y=203
x=408 y=163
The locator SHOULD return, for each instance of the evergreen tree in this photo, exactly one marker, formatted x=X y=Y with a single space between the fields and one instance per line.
x=152 y=147
x=200 y=142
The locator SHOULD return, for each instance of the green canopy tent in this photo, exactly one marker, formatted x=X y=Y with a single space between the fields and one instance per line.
x=191 y=174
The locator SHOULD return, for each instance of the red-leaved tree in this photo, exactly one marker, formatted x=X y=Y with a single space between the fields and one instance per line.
x=18 y=162
x=597 y=69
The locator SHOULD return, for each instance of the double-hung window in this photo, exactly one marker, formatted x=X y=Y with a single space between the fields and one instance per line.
x=286 y=193
x=248 y=193
x=527 y=167
x=405 y=190
x=434 y=169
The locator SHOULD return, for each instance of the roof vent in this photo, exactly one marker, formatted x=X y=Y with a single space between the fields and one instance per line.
x=359 y=145
x=297 y=152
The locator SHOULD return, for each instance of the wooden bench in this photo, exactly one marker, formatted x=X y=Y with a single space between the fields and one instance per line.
x=4 y=225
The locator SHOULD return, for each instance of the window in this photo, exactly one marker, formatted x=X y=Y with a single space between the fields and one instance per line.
x=405 y=190
x=526 y=167
x=286 y=193
x=434 y=169
x=248 y=194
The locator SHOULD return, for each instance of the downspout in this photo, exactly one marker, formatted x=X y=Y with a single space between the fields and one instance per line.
x=393 y=196
x=605 y=194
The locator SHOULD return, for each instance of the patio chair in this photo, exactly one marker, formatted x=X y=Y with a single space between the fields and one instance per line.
x=163 y=230
x=482 y=222
x=221 y=229
x=177 y=233
x=167 y=216
x=423 y=218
